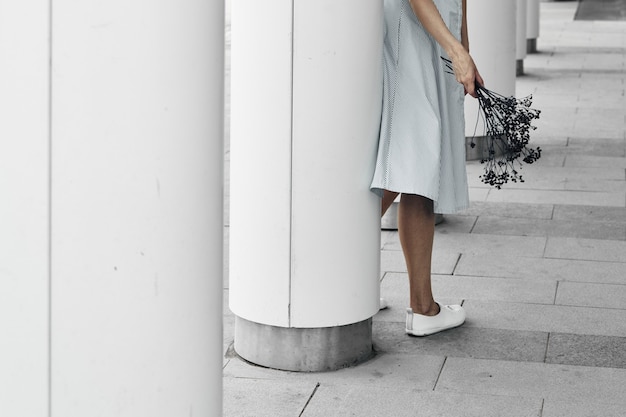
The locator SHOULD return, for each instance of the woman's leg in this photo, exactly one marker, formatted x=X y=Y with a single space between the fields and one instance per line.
x=387 y=200
x=416 y=226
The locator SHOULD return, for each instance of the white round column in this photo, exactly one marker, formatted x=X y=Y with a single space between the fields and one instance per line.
x=24 y=209
x=520 y=36
x=305 y=229
x=492 y=37
x=532 y=25
x=210 y=139
x=137 y=211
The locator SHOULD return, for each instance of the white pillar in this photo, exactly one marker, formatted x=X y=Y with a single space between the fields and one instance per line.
x=532 y=25
x=24 y=208
x=492 y=34
x=137 y=208
x=306 y=94
x=213 y=241
x=520 y=35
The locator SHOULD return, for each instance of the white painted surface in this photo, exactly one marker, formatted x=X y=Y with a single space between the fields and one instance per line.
x=520 y=29
x=304 y=127
x=532 y=20
x=136 y=208
x=336 y=113
x=24 y=203
x=260 y=160
x=492 y=30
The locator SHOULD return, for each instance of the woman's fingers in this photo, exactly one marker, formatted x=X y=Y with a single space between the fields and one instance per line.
x=465 y=71
x=479 y=79
x=470 y=87
x=468 y=79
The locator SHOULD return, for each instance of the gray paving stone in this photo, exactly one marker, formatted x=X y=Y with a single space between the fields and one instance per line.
x=559 y=228
x=265 y=398
x=547 y=173
x=587 y=130
x=607 y=199
x=456 y=224
x=464 y=341
x=613 y=98
x=545 y=318
x=507 y=210
x=443 y=262
x=478 y=193
x=542 y=269
x=238 y=368
x=532 y=180
x=595 y=161
x=476 y=288
x=403 y=401
x=559 y=116
x=533 y=380
x=385 y=369
x=483 y=244
x=595 y=185
x=553 y=130
x=386 y=235
x=606 y=118
x=547 y=99
x=588 y=407
x=552 y=155
x=414 y=369
x=590 y=213
x=556 y=83
x=587 y=249
x=592 y=295
x=585 y=350
x=541 y=139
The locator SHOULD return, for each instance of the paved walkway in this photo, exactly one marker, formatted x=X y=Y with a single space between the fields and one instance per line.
x=539 y=266
x=601 y=10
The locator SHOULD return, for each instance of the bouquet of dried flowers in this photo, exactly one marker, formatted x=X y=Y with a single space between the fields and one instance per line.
x=507 y=126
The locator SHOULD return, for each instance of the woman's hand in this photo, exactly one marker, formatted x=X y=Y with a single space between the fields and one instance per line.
x=465 y=70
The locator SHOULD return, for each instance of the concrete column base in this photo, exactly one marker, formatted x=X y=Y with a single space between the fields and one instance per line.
x=531 y=46
x=304 y=350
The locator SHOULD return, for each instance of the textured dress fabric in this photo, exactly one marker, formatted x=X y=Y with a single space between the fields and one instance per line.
x=422 y=135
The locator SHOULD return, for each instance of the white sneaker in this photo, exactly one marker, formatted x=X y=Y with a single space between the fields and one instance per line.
x=448 y=318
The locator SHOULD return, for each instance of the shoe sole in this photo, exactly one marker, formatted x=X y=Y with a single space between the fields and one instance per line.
x=430 y=332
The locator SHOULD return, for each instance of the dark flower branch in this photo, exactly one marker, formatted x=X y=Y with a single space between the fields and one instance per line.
x=508 y=122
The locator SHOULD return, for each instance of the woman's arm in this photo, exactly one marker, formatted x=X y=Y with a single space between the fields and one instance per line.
x=464 y=37
x=464 y=68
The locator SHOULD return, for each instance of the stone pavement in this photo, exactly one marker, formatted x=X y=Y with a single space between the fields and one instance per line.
x=539 y=266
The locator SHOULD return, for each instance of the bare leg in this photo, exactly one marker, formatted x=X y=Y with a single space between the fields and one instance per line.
x=416 y=226
x=387 y=201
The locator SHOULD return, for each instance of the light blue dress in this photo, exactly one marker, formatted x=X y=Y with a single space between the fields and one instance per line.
x=422 y=136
